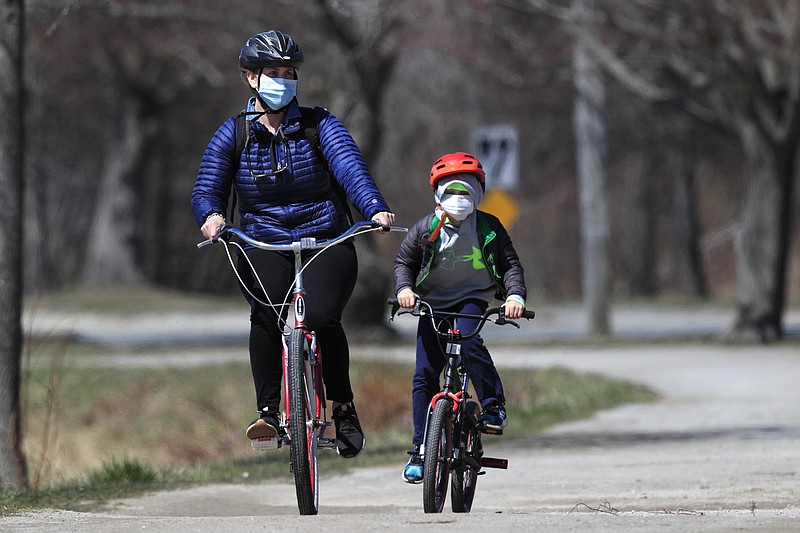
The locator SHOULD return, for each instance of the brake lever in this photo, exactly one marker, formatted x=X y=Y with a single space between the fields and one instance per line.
x=397 y=310
x=502 y=320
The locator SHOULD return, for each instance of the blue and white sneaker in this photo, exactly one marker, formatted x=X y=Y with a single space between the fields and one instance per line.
x=493 y=419
x=413 y=471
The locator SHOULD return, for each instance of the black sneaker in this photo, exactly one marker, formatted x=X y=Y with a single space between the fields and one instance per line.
x=349 y=436
x=266 y=425
x=493 y=419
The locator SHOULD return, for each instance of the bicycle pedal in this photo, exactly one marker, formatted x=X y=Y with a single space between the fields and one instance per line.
x=493 y=462
x=491 y=430
x=262 y=444
x=327 y=443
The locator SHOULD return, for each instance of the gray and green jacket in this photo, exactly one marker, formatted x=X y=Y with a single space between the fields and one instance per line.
x=416 y=255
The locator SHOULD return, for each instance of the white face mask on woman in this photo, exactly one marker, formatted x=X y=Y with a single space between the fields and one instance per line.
x=458 y=206
x=276 y=92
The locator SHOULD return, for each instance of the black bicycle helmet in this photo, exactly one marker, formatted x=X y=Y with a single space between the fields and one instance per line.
x=270 y=49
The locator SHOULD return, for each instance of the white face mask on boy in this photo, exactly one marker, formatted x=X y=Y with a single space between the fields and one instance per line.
x=458 y=206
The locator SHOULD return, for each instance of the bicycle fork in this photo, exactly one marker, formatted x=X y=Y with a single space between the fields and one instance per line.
x=320 y=419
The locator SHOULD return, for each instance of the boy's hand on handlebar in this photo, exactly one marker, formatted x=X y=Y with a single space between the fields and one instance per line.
x=513 y=309
x=212 y=226
x=407 y=298
x=384 y=218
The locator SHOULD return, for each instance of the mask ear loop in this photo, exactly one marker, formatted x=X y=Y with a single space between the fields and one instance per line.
x=267 y=109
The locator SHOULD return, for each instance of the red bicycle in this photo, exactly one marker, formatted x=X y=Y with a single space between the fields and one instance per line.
x=451 y=448
x=304 y=420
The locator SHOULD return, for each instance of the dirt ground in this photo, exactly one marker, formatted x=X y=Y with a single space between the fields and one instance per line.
x=720 y=452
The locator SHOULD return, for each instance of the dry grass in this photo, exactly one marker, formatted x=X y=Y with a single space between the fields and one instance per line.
x=169 y=418
x=173 y=419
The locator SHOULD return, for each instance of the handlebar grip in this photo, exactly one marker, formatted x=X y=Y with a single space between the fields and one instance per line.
x=392 y=301
x=222 y=234
x=528 y=313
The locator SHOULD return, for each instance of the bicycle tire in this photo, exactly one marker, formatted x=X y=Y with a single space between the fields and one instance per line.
x=438 y=455
x=468 y=463
x=303 y=433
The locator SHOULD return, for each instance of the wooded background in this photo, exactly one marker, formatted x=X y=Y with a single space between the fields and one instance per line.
x=700 y=99
x=658 y=142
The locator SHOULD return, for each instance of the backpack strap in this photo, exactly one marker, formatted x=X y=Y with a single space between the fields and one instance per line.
x=242 y=132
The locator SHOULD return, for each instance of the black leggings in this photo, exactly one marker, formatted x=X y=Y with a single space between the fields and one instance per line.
x=329 y=281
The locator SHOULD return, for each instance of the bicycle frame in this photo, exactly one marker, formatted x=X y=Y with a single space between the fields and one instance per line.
x=304 y=418
x=451 y=445
x=315 y=393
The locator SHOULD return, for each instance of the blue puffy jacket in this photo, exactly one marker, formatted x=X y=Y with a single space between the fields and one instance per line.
x=298 y=202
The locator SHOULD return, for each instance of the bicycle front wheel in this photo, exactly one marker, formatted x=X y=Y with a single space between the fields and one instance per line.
x=438 y=454
x=302 y=400
x=470 y=451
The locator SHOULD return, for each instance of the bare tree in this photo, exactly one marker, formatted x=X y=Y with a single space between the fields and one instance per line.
x=140 y=59
x=13 y=472
x=685 y=223
x=366 y=33
x=736 y=65
x=593 y=181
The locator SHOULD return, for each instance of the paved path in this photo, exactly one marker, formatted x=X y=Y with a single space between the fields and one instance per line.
x=721 y=452
x=555 y=323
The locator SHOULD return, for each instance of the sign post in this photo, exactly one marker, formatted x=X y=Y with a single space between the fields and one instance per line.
x=497 y=148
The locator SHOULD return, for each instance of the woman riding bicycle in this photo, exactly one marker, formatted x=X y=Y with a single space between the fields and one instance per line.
x=457 y=259
x=288 y=184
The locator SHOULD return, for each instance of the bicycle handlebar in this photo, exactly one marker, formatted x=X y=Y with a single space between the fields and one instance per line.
x=423 y=308
x=306 y=243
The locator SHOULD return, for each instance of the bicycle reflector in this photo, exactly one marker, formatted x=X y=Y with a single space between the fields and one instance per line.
x=493 y=462
x=263 y=444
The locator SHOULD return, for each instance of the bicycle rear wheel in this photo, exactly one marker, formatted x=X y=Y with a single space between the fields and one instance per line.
x=438 y=454
x=302 y=401
x=468 y=462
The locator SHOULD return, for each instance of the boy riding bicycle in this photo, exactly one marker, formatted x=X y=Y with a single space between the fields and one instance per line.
x=457 y=259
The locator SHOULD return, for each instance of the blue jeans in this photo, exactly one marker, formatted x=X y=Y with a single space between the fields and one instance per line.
x=431 y=360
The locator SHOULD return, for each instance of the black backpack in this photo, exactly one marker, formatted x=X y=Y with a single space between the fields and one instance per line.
x=308 y=125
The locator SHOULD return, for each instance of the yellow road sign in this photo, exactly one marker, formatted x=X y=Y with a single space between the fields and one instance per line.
x=502 y=205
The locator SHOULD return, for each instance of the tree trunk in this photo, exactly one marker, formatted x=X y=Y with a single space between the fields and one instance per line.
x=686 y=226
x=110 y=258
x=763 y=245
x=593 y=188
x=366 y=310
x=13 y=472
x=643 y=231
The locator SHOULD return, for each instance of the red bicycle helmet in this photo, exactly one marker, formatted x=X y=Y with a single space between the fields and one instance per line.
x=457 y=163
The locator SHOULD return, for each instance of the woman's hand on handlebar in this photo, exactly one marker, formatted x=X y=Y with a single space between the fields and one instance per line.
x=384 y=218
x=212 y=226
x=407 y=298
x=513 y=309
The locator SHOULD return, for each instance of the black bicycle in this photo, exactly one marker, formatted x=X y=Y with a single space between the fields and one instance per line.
x=451 y=448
